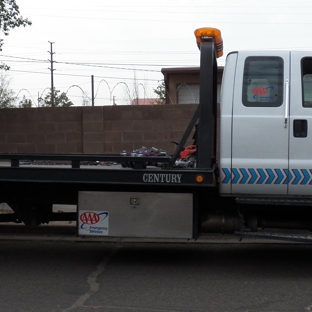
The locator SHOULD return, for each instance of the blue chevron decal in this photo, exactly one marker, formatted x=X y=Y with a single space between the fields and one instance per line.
x=254 y=176
x=227 y=174
x=271 y=176
x=267 y=176
x=236 y=175
x=245 y=176
x=297 y=176
x=262 y=176
x=280 y=176
x=306 y=176
x=289 y=176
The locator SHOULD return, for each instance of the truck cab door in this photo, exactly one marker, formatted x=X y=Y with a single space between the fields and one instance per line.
x=259 y=134
x=300 y=122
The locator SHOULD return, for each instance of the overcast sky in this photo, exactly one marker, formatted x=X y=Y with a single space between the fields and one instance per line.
x=118 y=40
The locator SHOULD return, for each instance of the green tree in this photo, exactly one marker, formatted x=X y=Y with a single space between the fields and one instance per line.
x=160 y=91
x=7 y=97
x=10 y=18
x=25 y=103
x=60 y=100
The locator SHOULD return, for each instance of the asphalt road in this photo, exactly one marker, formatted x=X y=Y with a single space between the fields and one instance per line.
x=92 y=276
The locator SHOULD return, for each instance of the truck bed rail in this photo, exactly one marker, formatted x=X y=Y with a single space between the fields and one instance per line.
x=74 y=169
x=76 y=159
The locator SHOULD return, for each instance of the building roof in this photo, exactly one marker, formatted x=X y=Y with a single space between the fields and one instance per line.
x=147 y=101
x=185 y=70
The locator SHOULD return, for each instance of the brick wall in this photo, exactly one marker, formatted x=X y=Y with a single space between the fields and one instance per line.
x=92 y=130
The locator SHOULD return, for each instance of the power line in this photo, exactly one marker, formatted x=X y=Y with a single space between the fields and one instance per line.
x=104 y=65
x=95 y=65
x=75 y=75
x=182 y=20
x=25 y=58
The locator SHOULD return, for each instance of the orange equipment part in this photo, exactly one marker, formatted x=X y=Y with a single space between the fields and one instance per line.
x=205 y=33
x=189 y=150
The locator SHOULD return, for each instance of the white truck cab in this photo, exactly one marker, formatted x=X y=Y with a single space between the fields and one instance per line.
x=266 y=124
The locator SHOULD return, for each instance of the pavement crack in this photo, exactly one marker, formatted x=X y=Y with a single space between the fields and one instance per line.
x=92 y=280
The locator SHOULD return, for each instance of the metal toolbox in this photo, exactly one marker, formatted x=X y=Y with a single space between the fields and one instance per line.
x=137 y=214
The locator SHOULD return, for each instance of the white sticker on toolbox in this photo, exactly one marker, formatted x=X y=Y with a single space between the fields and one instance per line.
x=93 y=222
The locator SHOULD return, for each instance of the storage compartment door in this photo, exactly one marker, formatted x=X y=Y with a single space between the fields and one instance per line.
x=126 y=214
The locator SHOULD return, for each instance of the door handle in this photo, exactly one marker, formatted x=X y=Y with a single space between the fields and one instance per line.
x=286 y=102
x=300 y=128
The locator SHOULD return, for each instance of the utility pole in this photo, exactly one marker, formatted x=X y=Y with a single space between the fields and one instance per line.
x=92 y=90
x=52 y=70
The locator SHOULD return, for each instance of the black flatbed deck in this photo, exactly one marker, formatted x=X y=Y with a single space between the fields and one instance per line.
x=98 y=169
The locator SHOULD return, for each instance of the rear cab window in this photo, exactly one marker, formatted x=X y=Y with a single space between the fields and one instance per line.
x=306 y=70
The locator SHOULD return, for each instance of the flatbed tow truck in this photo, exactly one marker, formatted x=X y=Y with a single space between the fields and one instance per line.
x=259 y=178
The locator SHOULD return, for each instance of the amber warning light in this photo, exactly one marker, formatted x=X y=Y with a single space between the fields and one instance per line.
x=208 y=33
x=199 y=178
